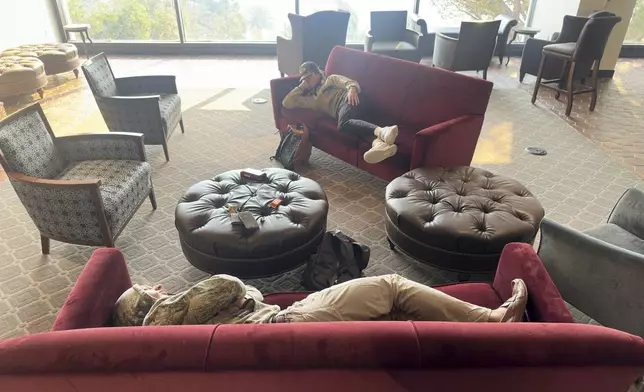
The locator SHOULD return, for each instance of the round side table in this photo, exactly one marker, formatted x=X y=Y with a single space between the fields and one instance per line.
x=522 y=31
x=83 y=30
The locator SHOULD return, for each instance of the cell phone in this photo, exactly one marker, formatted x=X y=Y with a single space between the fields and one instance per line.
x=234 y=219
x=254 y=175
x=248 y=220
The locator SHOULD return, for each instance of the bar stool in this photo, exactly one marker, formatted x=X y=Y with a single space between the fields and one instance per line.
x=589 y=48
x=83 y=30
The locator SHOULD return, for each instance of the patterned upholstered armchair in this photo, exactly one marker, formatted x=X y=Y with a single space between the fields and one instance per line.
x=146 y=104
x=80 y=189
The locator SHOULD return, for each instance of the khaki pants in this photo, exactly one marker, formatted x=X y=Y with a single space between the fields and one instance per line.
x=388 y=297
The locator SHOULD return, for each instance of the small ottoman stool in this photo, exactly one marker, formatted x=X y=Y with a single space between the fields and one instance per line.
x=459 y=218
x=286 y=235
x=57 y=58
x=21 y=75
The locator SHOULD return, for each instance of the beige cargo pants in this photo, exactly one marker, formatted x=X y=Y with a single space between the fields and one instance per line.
x=387 y=297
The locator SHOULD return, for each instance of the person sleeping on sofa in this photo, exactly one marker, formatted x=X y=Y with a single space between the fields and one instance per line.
x=339 y=97
x=224 y=299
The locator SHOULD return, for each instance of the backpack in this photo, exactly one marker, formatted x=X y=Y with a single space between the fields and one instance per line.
x=294 y=148
x=338 y=259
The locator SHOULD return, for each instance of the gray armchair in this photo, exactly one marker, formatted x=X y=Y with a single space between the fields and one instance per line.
x=80 y=189
x=146 y=104
x=471 y=51
x=600 y=271
x=507 y=23
x=389 y=36
x=313 y=37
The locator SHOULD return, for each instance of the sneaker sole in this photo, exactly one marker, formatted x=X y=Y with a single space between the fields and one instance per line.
x=378 y=156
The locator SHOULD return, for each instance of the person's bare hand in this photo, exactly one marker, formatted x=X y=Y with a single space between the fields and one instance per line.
x=352 y=97
x=304 y=85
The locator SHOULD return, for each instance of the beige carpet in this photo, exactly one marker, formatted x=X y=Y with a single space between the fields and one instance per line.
x=576 y=182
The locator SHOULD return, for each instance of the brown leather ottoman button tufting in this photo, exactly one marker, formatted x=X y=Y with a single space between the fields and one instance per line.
x=286 y=236
x=459 y=218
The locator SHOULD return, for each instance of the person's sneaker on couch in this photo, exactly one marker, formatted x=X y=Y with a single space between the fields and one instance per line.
x=380 y=151
x=387 y=134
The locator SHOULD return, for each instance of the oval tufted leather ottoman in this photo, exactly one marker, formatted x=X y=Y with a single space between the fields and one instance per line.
x=21 y=75
x=459 y=218
x=57 y=58
x=286 y=236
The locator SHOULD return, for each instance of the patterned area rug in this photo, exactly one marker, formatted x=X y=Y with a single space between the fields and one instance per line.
x=576 y=182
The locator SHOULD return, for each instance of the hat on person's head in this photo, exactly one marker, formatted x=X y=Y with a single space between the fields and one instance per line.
x=309 y=68
x=132 y=307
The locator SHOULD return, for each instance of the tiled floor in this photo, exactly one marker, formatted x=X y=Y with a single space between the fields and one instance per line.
x=577 y=182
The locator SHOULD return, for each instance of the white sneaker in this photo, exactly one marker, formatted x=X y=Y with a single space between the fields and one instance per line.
x=380 y=151
x=387 y=134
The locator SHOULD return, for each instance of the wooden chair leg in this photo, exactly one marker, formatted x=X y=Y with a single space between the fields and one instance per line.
x=593 y=100
x=183 y=130
x=165 y=150
x=44 y=244
x=41 y=93
x=539 y=75
x=282 y=74
x=153 y=198
x=485 y=74
x=75 y=71
x=570 y=89
x=109 y=242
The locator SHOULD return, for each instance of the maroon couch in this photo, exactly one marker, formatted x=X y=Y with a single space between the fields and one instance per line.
x=547 y=354
x=439 y=113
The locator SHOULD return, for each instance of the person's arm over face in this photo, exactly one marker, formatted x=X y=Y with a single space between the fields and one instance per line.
x=298 y=98
x=340 y=81
x=198 y=304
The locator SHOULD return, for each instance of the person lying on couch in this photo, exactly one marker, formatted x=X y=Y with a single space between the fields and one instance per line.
x=224 y=299
x=339 y=97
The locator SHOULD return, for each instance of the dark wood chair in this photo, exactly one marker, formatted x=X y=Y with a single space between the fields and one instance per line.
x=588 y=49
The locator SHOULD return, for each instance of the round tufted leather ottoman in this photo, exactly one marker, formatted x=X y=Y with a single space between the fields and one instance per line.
x=286 y=235
x=21 y=75
x=459 y=218
x=57 y=58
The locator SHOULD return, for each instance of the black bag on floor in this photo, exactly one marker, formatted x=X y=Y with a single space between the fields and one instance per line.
x=338 y=259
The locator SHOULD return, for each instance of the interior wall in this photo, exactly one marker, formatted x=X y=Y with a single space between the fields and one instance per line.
x=28 y=22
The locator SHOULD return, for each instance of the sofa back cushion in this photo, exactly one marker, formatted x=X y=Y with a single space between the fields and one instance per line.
x=408 y=93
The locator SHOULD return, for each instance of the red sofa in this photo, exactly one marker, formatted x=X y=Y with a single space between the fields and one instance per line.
x=439 y=113
x=547 y=354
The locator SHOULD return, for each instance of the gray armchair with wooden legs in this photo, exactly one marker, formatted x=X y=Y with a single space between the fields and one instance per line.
x=146 y=104
x=80 y=189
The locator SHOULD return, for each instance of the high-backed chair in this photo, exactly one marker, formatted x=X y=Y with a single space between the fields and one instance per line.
x=471 y=51
x=507 y=23
x=589 y=49
x=313 y=37
x=600 y=271
x=80 y=189
x=390 y=36
x=146 y=104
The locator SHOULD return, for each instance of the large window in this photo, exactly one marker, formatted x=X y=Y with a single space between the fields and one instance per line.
x=635 y=32
x=236 y=20
x=448 y=13
x=112 y=20
x=360 y=12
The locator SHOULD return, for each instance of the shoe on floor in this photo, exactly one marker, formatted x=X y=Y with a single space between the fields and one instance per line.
x=380 y=151
x=387 y=134
x=516 y=303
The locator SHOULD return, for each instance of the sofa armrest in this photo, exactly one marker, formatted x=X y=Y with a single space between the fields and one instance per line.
x=628 y=213
x=444 y=51
x=90 y=303
x=450 y=143
x=279 y=89
x=545 y=304
x=602 y=280
x=412 y=37
x=531 y=56
x=420 y=22
x=92 y=146
x=151 y=84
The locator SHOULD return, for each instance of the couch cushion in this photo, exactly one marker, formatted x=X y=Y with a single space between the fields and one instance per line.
x=308 y=117
x=387 y=46
x=617 y=236
x=124 y=184
x=170 y=106
x=28 y=147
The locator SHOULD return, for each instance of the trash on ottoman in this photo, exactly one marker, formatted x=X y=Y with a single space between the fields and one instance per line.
x=57 y=58
x=459 y=218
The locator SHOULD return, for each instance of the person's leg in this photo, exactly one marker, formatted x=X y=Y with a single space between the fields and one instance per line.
x=374 y=297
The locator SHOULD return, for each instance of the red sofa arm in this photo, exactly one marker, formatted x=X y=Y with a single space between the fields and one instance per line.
x=279 y=89
x=90 y=303
x=450 y=143
x=545 y=304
